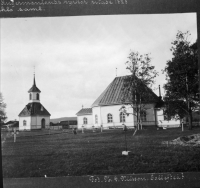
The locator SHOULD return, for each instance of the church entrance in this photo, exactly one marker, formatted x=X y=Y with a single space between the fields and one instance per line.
x=43 y=123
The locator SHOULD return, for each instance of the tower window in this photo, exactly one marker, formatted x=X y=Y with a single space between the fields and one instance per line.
x=24 y=123
x=38 y=97
x=110 y=118
x=30 y=96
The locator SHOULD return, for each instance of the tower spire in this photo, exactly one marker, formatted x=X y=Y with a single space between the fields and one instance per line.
x=34 y=87
x=34 y=77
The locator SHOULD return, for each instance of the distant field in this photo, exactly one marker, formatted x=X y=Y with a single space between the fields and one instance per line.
x=37 y=153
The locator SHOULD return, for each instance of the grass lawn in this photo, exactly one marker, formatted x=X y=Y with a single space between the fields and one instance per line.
x=65 y=154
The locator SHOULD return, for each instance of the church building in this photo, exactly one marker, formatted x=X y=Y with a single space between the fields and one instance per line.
x=34 y=115
x=105 y=111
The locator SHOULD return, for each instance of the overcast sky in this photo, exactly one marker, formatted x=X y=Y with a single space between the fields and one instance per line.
x=75 y=58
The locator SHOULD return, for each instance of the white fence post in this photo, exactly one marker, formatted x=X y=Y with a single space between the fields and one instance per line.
x=82 y=129
x=182 y=125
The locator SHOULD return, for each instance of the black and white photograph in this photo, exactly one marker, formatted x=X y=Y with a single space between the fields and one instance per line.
x=100 y=95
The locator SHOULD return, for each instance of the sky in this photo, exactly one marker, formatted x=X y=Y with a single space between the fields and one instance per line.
x=75 y=58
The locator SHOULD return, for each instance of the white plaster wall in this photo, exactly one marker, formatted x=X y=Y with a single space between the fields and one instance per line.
x=114 y=110
x=102 y=112
x=160 y=115
x=150 y=114
x=28 y=123
x=36 y=121
x=89 y=121
x=47 y=120
x=34 y=98
x=96 y=111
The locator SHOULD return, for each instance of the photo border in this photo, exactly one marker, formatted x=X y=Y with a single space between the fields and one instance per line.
x=11 y=10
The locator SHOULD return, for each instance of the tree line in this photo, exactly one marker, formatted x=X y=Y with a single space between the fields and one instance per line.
x=182 y=81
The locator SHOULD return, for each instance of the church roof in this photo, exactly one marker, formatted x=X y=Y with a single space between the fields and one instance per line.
x=84 y=111
x=33 y=109
x=113 y=94
x=34 y=87
x=160 y=103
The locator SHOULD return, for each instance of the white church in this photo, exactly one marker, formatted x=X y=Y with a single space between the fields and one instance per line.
x=34 y=115
x=105 y=111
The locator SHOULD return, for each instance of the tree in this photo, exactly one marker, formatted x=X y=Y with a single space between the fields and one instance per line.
x=182 y=78
x=174 y=109
x=2 y=109
x=136 y=86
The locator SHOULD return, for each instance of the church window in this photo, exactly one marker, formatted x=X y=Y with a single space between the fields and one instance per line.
x=38 y=97
x=96 y=119
x=122 y=117
x=24 y=123
x=30 y=96
x=143 y=115
x=110 y=118
x=84 y=120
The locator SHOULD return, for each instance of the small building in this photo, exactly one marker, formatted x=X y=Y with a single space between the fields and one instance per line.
x=34 y=115
x=11 y=125
x=65 y=122
x=55 y=126
x=69 y=124
x=84 y=118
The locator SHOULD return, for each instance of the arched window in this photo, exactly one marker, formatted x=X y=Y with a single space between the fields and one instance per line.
x=84 y=120
x=143 y=115
x=110 y=118
x=96 y=119
x=38 y=97
x=30 y=96
x=24 y=123
x=122 y=117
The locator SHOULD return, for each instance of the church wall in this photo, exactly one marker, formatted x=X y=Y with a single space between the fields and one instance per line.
x=160 y=115
x=36 y=122
x=89 y=121
x=96 y=111
x=47 y=119
x=151 y=115
x=114 y=110
x=103 y=111
x=28 y=123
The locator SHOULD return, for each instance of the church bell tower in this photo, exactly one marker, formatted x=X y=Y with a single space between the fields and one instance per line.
x=34 y=116
x=34 y=92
